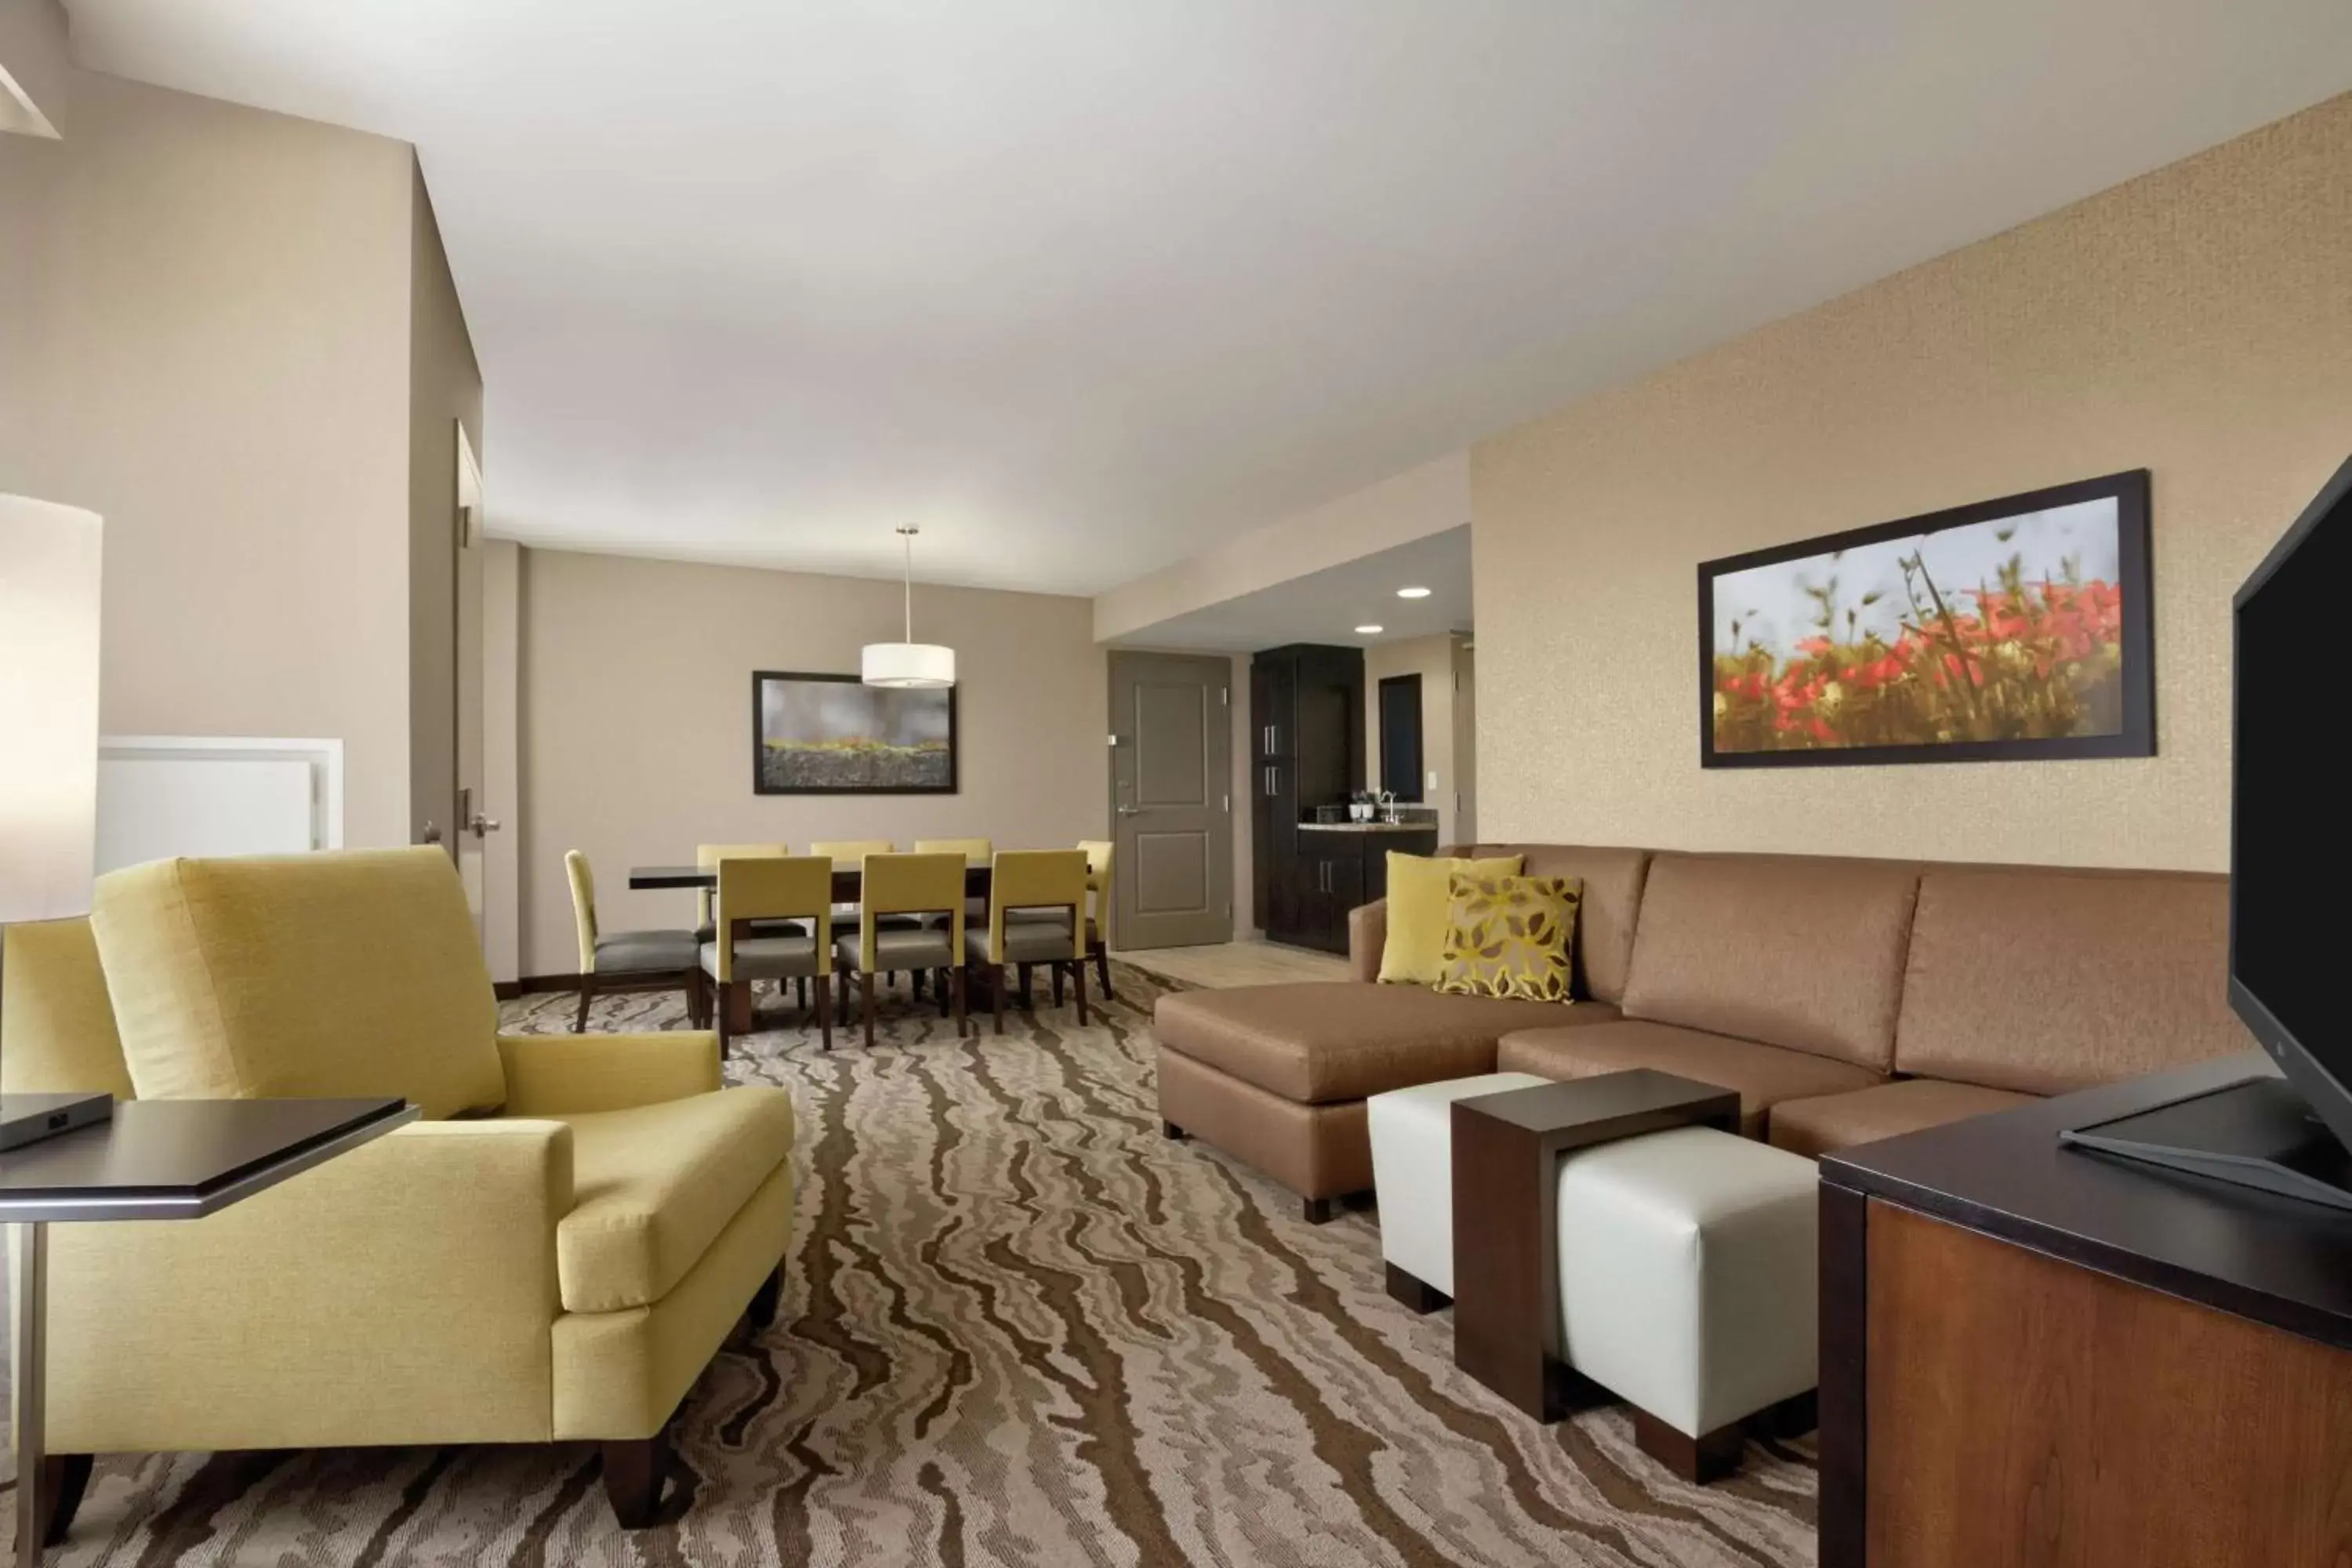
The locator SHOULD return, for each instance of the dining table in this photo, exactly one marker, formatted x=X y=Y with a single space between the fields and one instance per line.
x=848 y=878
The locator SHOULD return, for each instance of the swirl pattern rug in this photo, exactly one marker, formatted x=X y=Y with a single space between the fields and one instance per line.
x=1020 y=1328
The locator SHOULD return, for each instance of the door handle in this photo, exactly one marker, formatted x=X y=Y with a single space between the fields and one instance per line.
x=482 y=827
x=1131 y=811
x=432 y=834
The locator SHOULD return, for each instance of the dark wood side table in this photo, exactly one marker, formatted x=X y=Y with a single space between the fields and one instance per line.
x=1506 y=1152
x=2033 y=1354
x=156 y=1158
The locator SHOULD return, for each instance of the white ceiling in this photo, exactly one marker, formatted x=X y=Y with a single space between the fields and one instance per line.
x=1083 y=288
x=1327 y=606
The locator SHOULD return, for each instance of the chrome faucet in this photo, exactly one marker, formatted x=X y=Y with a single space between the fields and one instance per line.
x=1387 y=806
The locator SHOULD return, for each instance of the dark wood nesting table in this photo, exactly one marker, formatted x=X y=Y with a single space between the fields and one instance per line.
x=1506 y=1153
x=155 y=1159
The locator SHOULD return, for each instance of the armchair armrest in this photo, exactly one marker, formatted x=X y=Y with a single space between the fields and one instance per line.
x=1367 y=933
x=569 y=1075
x=401 y=1293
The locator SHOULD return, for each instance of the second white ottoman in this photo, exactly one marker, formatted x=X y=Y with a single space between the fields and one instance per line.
x=1413 y=1179
x=1689 y=1285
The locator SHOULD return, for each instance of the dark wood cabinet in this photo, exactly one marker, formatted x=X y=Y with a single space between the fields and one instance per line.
x=1306 y=713
x=1338 y=869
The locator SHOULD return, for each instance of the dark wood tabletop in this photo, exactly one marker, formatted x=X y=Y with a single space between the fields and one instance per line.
x=2275 y=1261
x=847 y=876
x=182 y=1159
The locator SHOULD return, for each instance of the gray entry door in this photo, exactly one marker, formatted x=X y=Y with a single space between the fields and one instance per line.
x=1171 y=812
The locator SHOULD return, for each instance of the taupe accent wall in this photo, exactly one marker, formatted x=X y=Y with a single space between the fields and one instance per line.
x=2195 y=322
x=636 y=722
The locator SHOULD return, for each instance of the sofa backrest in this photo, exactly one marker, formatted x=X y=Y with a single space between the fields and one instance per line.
x=1797 y=952
x=1612 y=881
x=343 y=973
x=2049 y=981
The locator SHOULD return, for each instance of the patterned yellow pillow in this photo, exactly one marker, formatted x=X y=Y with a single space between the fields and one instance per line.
x=1511 y=937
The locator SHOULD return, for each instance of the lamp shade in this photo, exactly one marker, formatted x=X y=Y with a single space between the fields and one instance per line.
x=49 y=708
x=907 y=664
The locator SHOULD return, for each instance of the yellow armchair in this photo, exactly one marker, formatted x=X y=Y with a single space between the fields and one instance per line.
x=556 y=1253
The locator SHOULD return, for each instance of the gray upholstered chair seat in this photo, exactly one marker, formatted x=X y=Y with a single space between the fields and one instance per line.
x=1032 y=941
x=766 y=957
x=645 y=952
x=895 y=951
x=846 y=915
x=1058 y=918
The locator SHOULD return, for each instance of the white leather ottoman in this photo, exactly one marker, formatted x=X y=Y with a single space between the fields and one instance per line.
x=1689 y=1287
x=1412 y=1179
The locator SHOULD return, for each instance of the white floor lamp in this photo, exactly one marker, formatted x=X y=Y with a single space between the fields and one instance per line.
x=48 y=836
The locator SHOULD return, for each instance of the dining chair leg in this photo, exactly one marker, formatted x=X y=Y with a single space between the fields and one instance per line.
x=1028 y=1002
x=915 y=986
x=1079 y=982
x=1057 y=968
x=724 y=1011
x=866 y=982
x=996 y=990
x=800 y=991
x=954 y=980
x=939 y=984
x=823 y=1012
x=587 y=989
x=1102 y=971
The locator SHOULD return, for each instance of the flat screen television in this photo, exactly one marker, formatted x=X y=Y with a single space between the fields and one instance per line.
x=2290 y=885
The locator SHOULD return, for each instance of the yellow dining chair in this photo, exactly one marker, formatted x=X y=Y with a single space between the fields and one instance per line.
x=1052 y=882
x=774 y=922
x=1099 y=852
x=708 y=856
x=628 y=960
x=975 y=909
x=911 y=886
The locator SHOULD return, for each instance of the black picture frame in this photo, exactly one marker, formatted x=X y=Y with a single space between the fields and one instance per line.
x=2137 y=735
x=759 y=783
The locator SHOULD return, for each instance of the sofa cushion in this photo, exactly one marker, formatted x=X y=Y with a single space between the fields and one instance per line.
x=655 y=1185
x=1763 y=1075
x=1420 y=910
x=55 y=1024
x=1318 y=1041
x=351 y=973
x=1510 y=936
x=2050 y=982
x=1818 y=1126
x=1607 y=913
x=1799 y=953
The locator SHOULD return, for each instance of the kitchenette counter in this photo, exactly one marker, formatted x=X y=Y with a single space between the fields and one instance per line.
x=1368 y=828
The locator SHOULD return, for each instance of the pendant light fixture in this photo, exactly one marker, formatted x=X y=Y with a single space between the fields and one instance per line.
x=909 y=665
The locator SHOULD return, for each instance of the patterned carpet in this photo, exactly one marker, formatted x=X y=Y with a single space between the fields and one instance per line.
x=1020 y=1329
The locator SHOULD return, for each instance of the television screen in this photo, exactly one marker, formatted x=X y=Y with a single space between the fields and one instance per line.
x=2290 y=877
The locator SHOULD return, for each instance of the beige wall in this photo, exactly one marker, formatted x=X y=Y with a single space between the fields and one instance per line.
x=2197 y=322
x=636 y=722
x=445 y=388
x=218 y=362
x=1431 y=658
x=502 y=755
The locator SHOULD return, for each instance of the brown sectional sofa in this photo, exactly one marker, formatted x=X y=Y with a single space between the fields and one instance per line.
x=1845 y=1000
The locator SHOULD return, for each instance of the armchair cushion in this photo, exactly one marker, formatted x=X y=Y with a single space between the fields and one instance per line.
x=655 y=1185
x=347 y=974
x=564 y=1075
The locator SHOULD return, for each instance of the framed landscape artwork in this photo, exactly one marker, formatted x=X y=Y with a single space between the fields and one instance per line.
x=2008 y=630
x=833 y=735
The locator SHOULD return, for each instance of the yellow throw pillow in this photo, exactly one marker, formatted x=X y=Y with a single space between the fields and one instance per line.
x=1512 y=937
x=1419 y=891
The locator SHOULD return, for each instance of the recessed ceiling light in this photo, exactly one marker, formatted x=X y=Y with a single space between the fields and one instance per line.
x=1368 y=631
x=1412 y=593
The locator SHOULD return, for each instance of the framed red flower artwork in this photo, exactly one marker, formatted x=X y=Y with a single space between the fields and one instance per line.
x=2003 y=631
